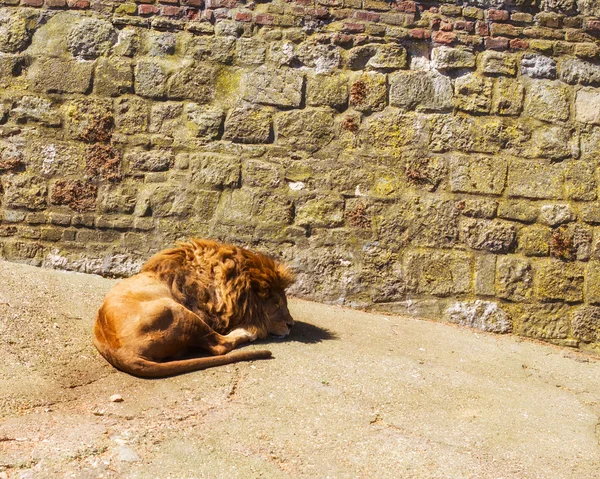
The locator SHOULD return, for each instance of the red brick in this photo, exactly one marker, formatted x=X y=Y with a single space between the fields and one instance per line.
x=264 y=19
x=221 y=4
x=192 y=14
x=243 y=17
x=465 y=26
x=304 y=2
x=193 y=3
x=171 y=11
x=146 y=9
x=32 y=3
x=409 y=7
x=518 y=44
x=444 y=37
x=298 y=10
x=419 y=33
x=482 y=29
x=446 y=26
x=409 y=18
x=497 y=15
x=56 y=3
x=367 y=16
x=593 y=25
x=171 y=2
x=354 y=27
x=320 y=13
x=209 y=15
x=78 y=4
x=496 y=43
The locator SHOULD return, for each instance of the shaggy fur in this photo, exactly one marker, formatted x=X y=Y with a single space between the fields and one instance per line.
x=200 y=294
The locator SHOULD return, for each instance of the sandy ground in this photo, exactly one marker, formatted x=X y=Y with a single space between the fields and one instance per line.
x=348 y=395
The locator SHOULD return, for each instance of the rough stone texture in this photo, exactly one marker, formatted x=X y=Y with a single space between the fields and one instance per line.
x=413 y=156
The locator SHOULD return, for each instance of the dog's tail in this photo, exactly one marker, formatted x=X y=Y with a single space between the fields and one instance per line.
x=144 y=368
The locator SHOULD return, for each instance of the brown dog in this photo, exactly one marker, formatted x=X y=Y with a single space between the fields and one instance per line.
x=198 y=295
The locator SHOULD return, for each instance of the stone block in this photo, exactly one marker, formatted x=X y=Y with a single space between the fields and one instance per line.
x=557 y=280
x=470 y=135
x=551 y=141
x=518 y=210
x=119 y=198
x=113 y=77
x=556 y=214
x=322 y=57
x=538 y=66
x=547 y=101
x=217 y=170
x=388 y=56
x=247 y=124
x=90 y=119
x=9 y=67
x=195 y=82
x=320 y=213
x=166 y=118
x=421 y=90
x=482 y=175
x=309 y=129
x=508 y=97
x=587 y=106
x=150 y=79
x=78 y=195
x=204 y=121
x=16 y=28
x=514 y=278
x=220 y=49
x=592 y=283
x=495 y=236
x=534 y=240
x=575 y=71
x=154 y=160
x=236 y=207
x=131 y=115
x=498 y=63
x=368 y=93
x=473 y=93
x=485 y=275
x=590 y=145
x=91 y=38
x=24 y=191
x=251 y=51
x=437 y=273
x=445 y=58
x=478 y=208
x=280 y=87
x=57 y=75
x=534 y=179
x=542 y=321
x=483 y=315
x=37 y=109
x=261 y=174
x=586 y=324
x=327 y=89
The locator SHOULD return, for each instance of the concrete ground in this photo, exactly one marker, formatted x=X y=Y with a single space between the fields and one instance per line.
x=348 y=395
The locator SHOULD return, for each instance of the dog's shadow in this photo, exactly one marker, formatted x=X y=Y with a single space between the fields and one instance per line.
x=308 y=334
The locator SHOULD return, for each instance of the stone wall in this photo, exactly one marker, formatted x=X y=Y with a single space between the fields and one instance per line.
x=425 y=158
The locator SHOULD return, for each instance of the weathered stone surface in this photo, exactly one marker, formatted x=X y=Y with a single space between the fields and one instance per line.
x=261 y=174
x=554 y=215
x=390 y=129
x=150 y=79
x=195 y=82
x=78 y=195
x=445 y=58
x=538 y=66
x=388 y=56
x=38 y=109
x=469 y=135
x=574 y=70
x=592 y=283
x=368 y=92
x=120 y=198
x=485 y=275
x=91 y=38
x=24 y=191
x=327 y=90
x=586 y=324
x=478 y=207
x=16 y=28
x=325 y=213
x=590 y=145
x=150 y=160
x=534 y=179
x=128 y=42
x=278 y=87
x=580 y=181
x=423 y=90
x=131 y=115
x=473 y=93
x=219 y=49
x=113 y=77
x=204 y=121
x=309 y=129
x=557 y=280
x=323 y=58
x=498 y=63
x=542 y=321
x=547 y=101
x=551 y=141
x=477 y=174
x=160 y=44
x=587 y=106
x=495 y=236
x=514 y=278
x=508 y=97
x=247 y=124
x=215 y=169
x=90 y=119
x=484 y=315
x=55 y=75
x=534 y=240
x=437 y=273
x=251 y=51
x=166 y=118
